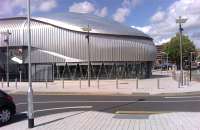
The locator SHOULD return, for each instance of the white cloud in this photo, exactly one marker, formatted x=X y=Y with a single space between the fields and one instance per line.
x=18 y=7
x=4 y=9
x=88 y=7
x=130 y=3
x=17 y=3
x=158 y=16
x=102 y=13
x=47 y=5
x=144 y=29
x=124 y=11
x=163 y=41
x=121 y=14
x=82 y=7
x=167 y=27
x=196 y=35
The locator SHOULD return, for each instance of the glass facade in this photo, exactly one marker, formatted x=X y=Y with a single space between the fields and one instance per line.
x=70 y=71
x=121 y=70
x=50 y=72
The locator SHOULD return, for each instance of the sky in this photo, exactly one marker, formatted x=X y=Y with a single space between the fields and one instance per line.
x=157 y=18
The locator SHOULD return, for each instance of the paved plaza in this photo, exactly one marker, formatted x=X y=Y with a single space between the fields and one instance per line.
x=160 y=83
x=92 y=120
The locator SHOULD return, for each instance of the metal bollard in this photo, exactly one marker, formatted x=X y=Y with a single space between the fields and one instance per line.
x=2 y=82
x=16 y=83
x=98 y=83
x=80 y=83
x=158 y=83
x=179 y=81
x=116 y=82
x=20 y=76
x=46 y=83
x=184 y=78
x=188 y=79
x=63 y=86
x=173 y=75
x=136 y=83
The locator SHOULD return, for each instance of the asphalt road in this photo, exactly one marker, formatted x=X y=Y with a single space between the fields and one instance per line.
x=51 y=104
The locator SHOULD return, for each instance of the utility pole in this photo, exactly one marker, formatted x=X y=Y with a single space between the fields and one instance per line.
x=180 y=21
x=30 y=89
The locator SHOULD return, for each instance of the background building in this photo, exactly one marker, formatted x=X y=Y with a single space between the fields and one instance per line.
x=60 y=48
x=159 y=54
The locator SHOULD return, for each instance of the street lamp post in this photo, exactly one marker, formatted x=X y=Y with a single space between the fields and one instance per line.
x=180 y=21
x=7 y=57
x=161 y=63
x=88 y=29
x=30 y=89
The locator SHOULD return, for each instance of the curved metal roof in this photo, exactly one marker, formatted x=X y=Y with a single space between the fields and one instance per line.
x=76 y=21
x=99 y=25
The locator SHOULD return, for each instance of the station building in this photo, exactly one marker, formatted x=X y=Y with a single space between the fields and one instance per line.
x=60 y=48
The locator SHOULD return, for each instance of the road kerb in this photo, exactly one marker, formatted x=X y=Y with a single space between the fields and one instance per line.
x=81 y=93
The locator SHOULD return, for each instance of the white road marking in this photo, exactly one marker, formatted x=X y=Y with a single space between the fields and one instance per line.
x=51 y=102
x=59 y=108
x=182 y=97
x=172 y=101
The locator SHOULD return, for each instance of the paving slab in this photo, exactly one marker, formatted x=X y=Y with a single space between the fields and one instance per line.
x=91 y=120
x=167 y=86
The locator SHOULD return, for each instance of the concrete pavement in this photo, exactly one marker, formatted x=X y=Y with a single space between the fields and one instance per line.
x=93 y=120
x=72 y=112
x=128 y=87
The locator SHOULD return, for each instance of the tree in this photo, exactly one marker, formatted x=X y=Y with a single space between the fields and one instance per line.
x=172 y=48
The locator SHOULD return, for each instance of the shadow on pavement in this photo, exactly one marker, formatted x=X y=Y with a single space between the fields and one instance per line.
x=100 y=110
x=49 y=122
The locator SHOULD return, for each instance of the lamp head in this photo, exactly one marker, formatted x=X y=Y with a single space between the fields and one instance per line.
x=181 y=20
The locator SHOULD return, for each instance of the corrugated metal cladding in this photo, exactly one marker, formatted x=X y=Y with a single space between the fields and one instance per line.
x=60 y=49
x=73 y=44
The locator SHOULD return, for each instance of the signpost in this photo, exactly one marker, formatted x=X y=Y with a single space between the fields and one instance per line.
x=180 y=21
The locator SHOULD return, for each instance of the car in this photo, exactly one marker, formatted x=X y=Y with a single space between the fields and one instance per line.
x=165 y=65
x=7 y=108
